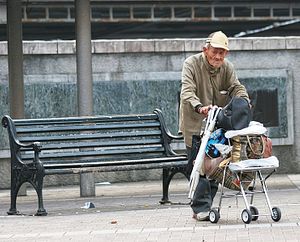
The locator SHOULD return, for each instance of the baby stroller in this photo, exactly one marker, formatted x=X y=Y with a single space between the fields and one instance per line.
x=239 y=172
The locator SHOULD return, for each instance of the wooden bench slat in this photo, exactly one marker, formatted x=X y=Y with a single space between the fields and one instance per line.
x=79 y=128
x=115 y=143
x=107 y=152
x=84 y=136
x=161 y=165
x=78 y=120
x=95 y=163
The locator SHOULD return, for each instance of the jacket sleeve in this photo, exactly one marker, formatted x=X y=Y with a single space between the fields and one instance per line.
x=188 y=88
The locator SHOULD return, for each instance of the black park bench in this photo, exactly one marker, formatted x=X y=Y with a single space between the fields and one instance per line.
x=76 y=145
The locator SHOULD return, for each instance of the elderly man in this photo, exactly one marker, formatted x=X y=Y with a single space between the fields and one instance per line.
x=207 y=79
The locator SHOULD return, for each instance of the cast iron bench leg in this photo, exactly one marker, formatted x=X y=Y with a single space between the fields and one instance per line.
x=166 y=182
x=39 y=190
x=14 y=189
x=168 y=174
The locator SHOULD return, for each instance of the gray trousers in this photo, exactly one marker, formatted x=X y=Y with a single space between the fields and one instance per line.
x=204 y=194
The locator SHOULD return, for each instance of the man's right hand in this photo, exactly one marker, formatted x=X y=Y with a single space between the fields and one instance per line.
x=204 y=110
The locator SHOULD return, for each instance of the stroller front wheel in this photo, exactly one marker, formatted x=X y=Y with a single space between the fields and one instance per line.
x=214 y=216
x=276 y=214
x=246 y=216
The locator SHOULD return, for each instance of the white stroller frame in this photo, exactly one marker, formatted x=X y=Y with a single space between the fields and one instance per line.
x=250 y=213
x=197 y=168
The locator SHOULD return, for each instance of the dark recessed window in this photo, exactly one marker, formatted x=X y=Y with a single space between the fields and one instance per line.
x=140 y=12
x=163 y=12
x=121 y=12
x=58 y=13
x=202 y=12
x=261 y=12
x=183 y=12
x=296 y=11
x=242 y=12
x=222 y=12
x=36 y=12
x=100 y=12
x=280 y=12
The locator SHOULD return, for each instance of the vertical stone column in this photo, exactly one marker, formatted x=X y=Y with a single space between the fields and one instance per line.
x=15 y=63
x=84 y=78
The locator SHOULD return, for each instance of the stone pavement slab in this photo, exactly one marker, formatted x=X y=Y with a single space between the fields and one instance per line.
x=131 y=212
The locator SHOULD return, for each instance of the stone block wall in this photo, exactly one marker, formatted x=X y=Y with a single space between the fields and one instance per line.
x=137 y=76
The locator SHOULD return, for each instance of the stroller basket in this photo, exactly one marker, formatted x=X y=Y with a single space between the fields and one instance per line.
x=231 y=181
x=238 y=176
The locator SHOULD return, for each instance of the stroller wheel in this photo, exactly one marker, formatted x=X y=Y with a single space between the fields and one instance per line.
x=254 y=212
x=246 y=216
x=214 y=216
x=276 y=214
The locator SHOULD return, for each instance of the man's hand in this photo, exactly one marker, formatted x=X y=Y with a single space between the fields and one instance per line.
x=204 y=110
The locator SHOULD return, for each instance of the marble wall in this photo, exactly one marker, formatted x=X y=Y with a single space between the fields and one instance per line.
x=137 y=76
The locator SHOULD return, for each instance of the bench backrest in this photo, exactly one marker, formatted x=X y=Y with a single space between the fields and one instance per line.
x=91 y=139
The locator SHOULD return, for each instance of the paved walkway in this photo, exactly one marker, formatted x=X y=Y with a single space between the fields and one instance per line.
x=131 y=212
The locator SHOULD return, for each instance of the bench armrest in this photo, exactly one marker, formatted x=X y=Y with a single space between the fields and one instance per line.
x=35 y=145
x=168 y=137
x=15 y=144
x=175 y=137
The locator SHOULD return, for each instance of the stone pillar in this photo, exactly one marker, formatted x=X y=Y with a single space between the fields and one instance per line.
x=84 y=78
x=15 y=63
x=87 y=185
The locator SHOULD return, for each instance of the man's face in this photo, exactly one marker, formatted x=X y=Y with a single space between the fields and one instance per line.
x=215 y=56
